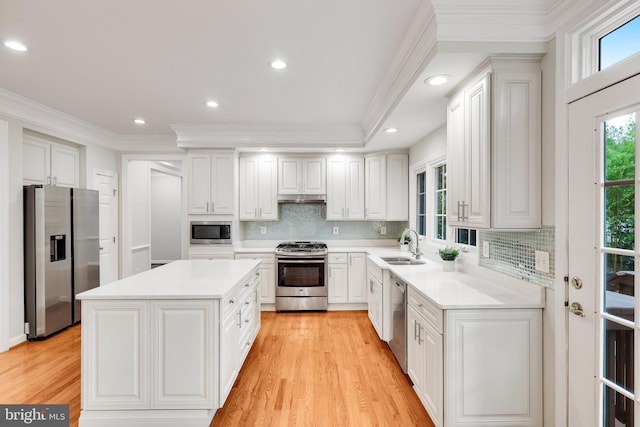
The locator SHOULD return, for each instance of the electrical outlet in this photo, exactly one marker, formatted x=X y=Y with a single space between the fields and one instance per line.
x=336 y=230
x=263 y=230
x=542 y=261
x=383 y=230
x=485 y=249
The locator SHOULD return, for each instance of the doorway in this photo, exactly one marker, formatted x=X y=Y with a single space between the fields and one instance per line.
x=603 y=252
x=153 y=212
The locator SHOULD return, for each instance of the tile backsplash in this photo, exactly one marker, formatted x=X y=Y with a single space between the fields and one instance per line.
x=307 y=221
x=513 y=253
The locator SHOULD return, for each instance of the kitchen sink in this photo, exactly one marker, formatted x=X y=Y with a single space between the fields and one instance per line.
x=402 y=261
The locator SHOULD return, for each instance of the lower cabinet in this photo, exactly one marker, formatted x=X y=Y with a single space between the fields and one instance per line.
x=267 y=275
x=374 y=297
x=493 y=373
x=347 y=277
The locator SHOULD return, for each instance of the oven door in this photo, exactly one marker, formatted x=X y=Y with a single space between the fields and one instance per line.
x=302 y=277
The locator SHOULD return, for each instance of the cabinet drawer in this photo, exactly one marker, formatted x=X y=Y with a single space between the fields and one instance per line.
x=264 y=258
x=338 y=258
x=428 y=309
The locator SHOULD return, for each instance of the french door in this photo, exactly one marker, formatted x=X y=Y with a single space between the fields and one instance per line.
x=604 y=207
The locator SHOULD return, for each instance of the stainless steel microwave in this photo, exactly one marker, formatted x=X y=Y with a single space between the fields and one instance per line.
x=209 y=232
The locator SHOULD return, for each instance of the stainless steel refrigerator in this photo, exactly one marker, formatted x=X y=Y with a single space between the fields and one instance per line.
x=61 y=255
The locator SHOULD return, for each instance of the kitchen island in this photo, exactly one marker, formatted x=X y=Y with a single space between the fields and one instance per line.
x=163 y=347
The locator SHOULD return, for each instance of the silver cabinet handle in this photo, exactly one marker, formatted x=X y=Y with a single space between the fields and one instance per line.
x=207 y=208
x=48 y=180
x=55 y=180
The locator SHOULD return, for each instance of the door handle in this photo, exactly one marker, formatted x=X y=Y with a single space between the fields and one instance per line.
x=576 y=308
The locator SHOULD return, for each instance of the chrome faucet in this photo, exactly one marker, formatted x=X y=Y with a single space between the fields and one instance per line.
x=418 y=252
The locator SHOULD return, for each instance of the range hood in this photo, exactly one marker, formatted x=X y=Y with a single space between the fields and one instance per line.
x=302 y=198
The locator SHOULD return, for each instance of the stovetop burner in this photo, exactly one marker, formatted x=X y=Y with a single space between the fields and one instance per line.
x=301 y=247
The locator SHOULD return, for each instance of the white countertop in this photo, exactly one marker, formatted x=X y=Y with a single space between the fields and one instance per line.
x=454 y=290
x=194 y=279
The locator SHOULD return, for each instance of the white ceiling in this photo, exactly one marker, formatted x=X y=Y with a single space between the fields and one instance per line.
x=354 y=66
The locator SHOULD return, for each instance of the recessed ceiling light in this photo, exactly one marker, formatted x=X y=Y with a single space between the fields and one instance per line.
x=212 y=104
x=15 y=45
x=391 y=130
x=264 y=149
x=437 y=80
x=139 y=121
x=339 y=150
x=278 y=64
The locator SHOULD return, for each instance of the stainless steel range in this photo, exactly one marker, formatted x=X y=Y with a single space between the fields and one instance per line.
x=302 y=276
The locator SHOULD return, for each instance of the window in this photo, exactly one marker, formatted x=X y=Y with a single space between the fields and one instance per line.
x=440 y=230
x=421 y=214
x=619 y=44
x=465 y=236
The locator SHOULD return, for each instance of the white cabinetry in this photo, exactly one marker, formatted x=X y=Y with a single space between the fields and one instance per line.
x=387 y=187
x=494 y=147
x=498 y=351
x=258 y=188
x=347 y=278
x=345 y=187
x=211 y=183
x=302 y=175
x=374 y=297
x=240 y=325
x=179 y=334
x=267 y=275
x=48 y=163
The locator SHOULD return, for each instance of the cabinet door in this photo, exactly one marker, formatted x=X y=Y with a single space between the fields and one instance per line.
x=433 y=390
x=267 y=283
x=289 y=175
x=222 y=184
x=375 y=187
x=249 y=191
x=338 y=283
x=185 y=357
x=456 y=166
x=354 y=198
x=267 y=188
x=65 y=166
x=314 y=179
x=357 y=277
x=477 y=209
x=36 y=162
x=229 y=354
x=115 y=355
x=375 y=305
x=516 y=150
x=336 y=188
x=398 y=183
x=199 y=183
x=416 y=352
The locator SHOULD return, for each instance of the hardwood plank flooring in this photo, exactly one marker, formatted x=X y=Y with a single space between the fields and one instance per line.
x=305 y=369
x=321 y=369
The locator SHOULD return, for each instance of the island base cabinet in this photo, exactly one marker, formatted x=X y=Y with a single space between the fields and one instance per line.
x=493 y=374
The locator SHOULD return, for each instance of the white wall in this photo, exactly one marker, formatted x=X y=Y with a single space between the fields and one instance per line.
x=166 y=217
x=4 y=231
x=431 y=146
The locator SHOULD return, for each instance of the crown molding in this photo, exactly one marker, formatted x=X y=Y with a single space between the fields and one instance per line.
x=148 y=144
x=244 y=135
x=47 y=120
x=417 y=50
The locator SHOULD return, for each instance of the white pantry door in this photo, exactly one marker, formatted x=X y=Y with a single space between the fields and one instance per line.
x=107 y=183
x=604 y=202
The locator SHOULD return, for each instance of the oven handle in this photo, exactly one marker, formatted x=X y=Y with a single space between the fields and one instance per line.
x=301 y=261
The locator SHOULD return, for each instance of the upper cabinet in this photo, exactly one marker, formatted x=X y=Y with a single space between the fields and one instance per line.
x=494 y=147
x=49 y=163
x=211 y=182
x=302 y=175
x=345 y=187
x=387 y=187
x=258 y=188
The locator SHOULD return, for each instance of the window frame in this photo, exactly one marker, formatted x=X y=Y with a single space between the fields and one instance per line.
x=429 y=167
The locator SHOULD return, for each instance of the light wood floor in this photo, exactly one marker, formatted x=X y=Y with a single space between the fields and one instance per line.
x=305 y=369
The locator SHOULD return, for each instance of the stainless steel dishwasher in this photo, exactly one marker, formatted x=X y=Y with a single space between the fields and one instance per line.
x=398 y=341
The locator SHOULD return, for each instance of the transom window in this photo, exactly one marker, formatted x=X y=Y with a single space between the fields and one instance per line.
x=619 y=44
